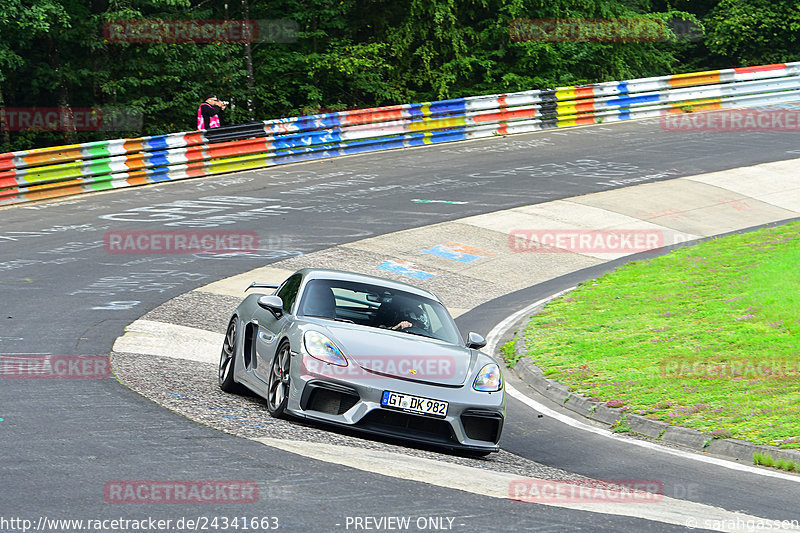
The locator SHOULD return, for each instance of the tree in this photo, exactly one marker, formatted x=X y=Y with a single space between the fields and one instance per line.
x=754 y=32
x=354 y=53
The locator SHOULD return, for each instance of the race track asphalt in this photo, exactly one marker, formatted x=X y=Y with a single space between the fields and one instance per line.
x=62 y=293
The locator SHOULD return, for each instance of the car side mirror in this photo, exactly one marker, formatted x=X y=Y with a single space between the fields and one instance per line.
x=273 y=304
x=475 y=341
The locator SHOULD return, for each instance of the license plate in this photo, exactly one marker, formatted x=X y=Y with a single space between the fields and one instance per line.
x=414 y=404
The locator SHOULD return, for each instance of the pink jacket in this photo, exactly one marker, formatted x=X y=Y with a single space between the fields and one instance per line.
x=213 y=121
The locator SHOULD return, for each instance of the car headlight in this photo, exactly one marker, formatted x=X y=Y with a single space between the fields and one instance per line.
x=321 y=347
x=489 y=379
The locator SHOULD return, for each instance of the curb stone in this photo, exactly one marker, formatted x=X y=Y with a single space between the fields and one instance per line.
x=778 y=453
x=740 y=449
x=690 y=438
x=606 y=414
x=732 y=449
x=647 y=426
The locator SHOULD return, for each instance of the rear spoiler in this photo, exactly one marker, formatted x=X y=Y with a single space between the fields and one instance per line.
x=257 y=285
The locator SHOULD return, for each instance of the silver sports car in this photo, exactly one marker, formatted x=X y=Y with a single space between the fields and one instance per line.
x=367 y=353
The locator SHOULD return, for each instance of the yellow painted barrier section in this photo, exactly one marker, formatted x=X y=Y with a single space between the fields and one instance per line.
x=695 y=78
x=234 y=164
x=51 y=173
x=437 y=123
x=697 y=105
x=574 y=93
x=572 y=108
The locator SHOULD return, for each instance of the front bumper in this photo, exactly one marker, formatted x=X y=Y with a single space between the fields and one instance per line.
x=474 y=419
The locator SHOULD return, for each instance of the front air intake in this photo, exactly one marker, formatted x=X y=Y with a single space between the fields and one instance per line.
x=328 y=398
x=482 y=425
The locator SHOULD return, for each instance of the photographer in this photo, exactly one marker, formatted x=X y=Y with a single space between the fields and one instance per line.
x=208 y=114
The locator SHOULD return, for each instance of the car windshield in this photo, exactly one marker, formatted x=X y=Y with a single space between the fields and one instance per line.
x=378 y=307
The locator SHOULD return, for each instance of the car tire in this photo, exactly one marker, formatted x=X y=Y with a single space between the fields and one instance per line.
x=279 y=381
x=227 y=359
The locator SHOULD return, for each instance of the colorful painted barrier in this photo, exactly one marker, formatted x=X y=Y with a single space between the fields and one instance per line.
x=64 y=170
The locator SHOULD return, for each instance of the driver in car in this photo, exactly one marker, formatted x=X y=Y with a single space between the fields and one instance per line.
x=409 y=313
x=403 y=324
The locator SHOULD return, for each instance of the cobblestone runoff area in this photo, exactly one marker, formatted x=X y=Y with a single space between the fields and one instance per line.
x=190 y=389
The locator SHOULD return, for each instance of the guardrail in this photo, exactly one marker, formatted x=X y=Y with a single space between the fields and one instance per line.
x=64 y=170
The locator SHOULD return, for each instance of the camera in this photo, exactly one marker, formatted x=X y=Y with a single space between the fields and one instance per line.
x=224 y=102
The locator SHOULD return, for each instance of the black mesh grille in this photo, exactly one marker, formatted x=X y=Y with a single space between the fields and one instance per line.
x=407 y=425
x=482 y=426
x=330 y=402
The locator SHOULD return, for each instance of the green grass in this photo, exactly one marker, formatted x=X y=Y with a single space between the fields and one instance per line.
x=763 y=459
x=784 y=464
x=706 y=337
x=621 y=426
x=509 y=349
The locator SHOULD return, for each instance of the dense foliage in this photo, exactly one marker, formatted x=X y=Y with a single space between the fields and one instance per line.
x=350 y=53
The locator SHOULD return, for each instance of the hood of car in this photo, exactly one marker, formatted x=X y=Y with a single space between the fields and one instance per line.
x=402 y=355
